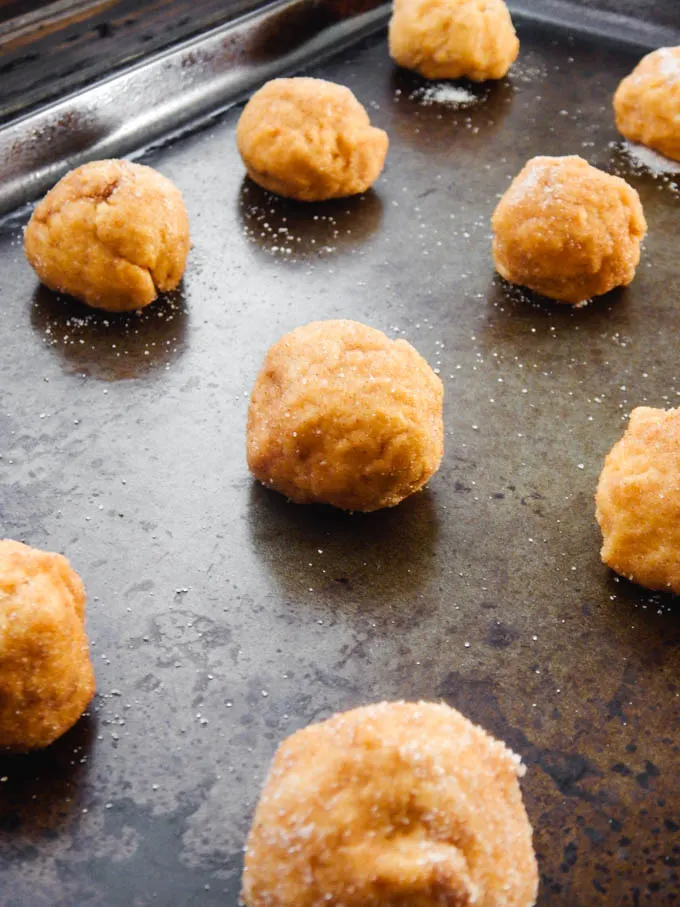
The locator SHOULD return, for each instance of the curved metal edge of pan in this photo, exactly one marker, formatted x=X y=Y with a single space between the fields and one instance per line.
x=199 y=79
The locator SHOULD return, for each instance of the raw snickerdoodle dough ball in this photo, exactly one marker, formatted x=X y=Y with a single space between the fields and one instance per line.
x=46 y=676
x=647 y=102
x=340 y=414
x=638 y=500
x=448 y=39
x=391 y=805
x=567 y=230
x=310 y=140
x=111 y=233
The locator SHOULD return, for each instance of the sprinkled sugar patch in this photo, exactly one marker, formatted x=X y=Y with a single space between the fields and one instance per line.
x=648 y=159
x=444 y=93
x=669 y=64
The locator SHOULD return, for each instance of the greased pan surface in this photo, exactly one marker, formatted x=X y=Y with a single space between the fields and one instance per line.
x=222 y=618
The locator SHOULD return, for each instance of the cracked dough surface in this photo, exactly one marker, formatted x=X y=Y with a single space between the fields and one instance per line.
x=392 y=805
x=111 y=233
x=46 y=676
x=342 y=415
x=310 y=140
x=448 y=39
x=568 y=230
x=638 y=500
x=647 y=102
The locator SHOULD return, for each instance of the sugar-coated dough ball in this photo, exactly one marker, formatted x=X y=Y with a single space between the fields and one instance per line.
x=310 y=140
x=111 y=233
x=392 y=805
x=638 y=500
x=567 y=230
x=448 y=39
x=340 y=414
x=647 y=102
x=46 y=677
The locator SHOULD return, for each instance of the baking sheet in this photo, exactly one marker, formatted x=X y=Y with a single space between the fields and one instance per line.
x=223 y=618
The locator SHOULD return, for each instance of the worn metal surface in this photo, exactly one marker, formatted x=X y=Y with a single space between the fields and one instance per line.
x=222 y=618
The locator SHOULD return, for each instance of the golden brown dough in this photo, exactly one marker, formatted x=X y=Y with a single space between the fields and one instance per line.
x=638 y=500
x=567 y=230
x=46 y=677
x=340 y=414
x=310 y=140
x=111 y=233
x=647 y=102
x=392 y=805
x=447 y=39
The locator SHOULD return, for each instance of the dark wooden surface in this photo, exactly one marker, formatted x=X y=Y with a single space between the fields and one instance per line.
x=10 y=9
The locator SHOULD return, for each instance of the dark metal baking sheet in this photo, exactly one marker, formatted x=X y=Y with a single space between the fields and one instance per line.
x=196 y=80
x=49 y=48
x=222 y=617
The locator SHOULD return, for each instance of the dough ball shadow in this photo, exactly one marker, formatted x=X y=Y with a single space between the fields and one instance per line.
x=111 y=346
x=288 y=230
x=521 y=323
x=643 y=607
x=384 y=556
x=517 y=301
x=620 y=160
x=424 y=121
x=46 y=788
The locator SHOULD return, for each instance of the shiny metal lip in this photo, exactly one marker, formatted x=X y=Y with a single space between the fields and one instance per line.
x=198 y=79
x=202 y=77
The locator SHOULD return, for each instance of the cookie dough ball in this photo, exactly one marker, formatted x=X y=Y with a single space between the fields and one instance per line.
x=448 y=39
x=310 y=140
x=392 y=805
x=111 y=233
x=567 y=230
x=647 y=102
x=340 y=414
x=638 y=501
x=46 y=677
